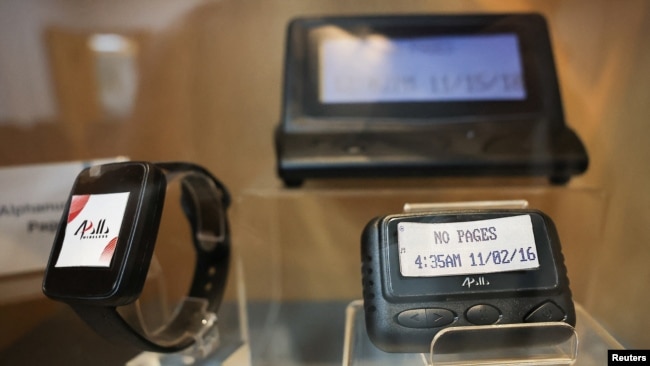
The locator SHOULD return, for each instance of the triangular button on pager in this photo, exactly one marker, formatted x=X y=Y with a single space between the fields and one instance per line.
x=414 y=318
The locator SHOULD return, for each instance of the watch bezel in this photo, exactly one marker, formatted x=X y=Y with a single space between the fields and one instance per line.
x=122 y=281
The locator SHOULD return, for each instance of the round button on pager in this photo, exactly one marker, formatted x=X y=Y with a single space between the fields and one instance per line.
x=483 y=314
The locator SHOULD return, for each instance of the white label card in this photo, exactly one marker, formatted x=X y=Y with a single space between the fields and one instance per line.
x=32 y=200
x=94 y=223
x=472 y=247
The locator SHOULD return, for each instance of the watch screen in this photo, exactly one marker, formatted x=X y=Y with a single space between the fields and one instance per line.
x=467 y=248
x=378 y=68
x=93 y=226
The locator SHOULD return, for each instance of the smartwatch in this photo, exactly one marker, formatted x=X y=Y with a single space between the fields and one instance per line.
x=105 y=241
x=424 y=272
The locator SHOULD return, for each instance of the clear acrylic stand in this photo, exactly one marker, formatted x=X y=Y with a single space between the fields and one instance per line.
x=428 y=206
x=214 y=343
x=163 y=311
x=536 y=344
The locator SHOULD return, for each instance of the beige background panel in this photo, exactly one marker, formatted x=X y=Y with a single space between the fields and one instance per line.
x=210 y=84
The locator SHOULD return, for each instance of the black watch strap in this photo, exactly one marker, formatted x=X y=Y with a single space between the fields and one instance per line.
x=204 y=200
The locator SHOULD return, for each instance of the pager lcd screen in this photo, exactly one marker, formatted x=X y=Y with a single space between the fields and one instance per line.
x=467 y=248
x=381 y=69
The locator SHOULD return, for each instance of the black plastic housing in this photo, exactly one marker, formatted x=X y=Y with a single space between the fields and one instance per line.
x=432 y=138
x=515 y=294
x=122 y=282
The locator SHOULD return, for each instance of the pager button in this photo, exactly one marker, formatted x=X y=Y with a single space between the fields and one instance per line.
x=426 y=318
x=483 y=314
x=414 y=318
x=547 y=312
x=437 y=317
